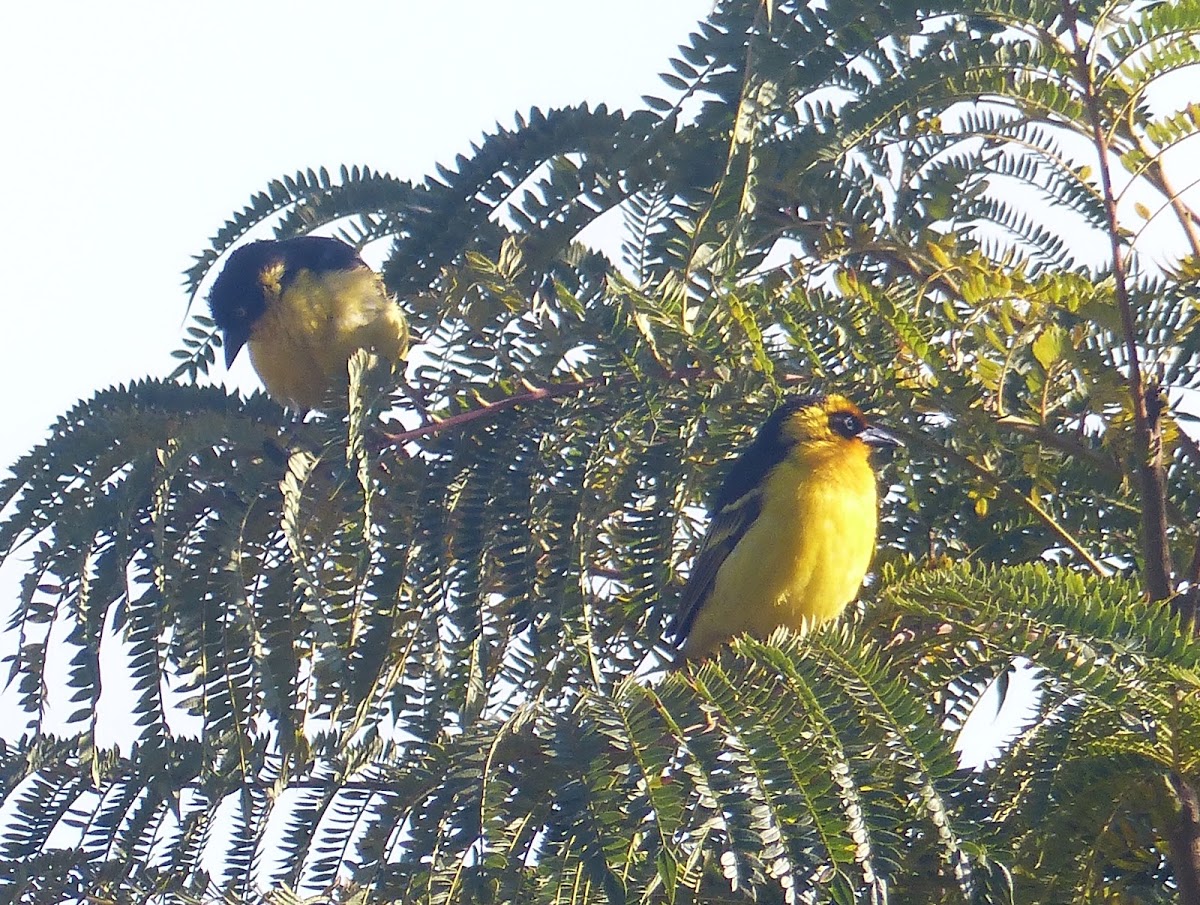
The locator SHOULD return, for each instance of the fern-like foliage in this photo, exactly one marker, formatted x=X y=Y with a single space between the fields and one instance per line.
x=1093 y=773
x=413 y=650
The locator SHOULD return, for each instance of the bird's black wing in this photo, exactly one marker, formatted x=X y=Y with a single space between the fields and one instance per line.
x=768 y=449
x=729 y=524
x=737 y=505
x=318 y=254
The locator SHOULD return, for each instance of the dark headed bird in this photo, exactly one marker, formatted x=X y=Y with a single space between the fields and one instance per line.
x=792 y=529
x=304 y=306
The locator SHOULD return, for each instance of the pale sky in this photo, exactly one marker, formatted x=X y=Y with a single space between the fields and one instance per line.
x=134 y=129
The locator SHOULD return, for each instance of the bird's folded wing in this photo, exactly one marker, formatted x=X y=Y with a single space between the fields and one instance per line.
x=728 y=527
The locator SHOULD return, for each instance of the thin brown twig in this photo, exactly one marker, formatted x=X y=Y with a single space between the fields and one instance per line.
x=1146 y=414
x=993 y=480
x=534 y=394
x=1186 y=216
x=1062 y=443
x=1102 y=463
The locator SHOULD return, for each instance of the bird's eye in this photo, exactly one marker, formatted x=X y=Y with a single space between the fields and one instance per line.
x=846 y=424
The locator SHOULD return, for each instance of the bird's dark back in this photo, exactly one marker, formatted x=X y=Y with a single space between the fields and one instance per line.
x=766 y=450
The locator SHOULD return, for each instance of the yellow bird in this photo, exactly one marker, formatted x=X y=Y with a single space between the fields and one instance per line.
x=304 y=306
x=792 y=529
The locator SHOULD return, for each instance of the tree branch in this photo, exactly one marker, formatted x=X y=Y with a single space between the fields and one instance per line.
x=1185 y=215
x=1147 y=407
x=1184 y=835
x=534 y=394
x=1184 y=840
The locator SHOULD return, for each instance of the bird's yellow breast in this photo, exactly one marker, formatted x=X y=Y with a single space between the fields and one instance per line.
x=802 y=560
x=301 y=344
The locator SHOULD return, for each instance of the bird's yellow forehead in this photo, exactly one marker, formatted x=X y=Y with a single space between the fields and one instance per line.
x=812 y=421
x=835 y=403
x=270 y=278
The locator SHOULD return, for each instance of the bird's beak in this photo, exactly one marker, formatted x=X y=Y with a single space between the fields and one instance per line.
x=878 y=438
x=233 y=341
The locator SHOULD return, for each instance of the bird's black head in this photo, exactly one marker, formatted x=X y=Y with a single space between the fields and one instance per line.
x=258 y=272
x=237 y=299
